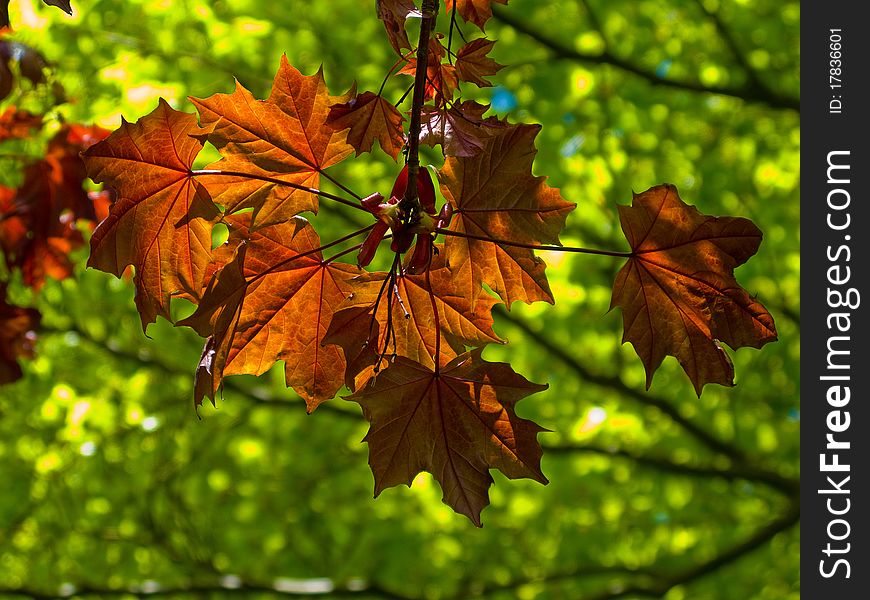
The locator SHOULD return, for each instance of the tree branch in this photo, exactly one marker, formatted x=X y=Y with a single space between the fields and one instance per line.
x=282 y=588
x=666 y=583
x=788 y=487
x=429 y=10
x=749 y=92
x=738 y=470
x=644 y=582
x=615 y=383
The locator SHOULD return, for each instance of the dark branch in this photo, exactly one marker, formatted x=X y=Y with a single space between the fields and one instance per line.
x=646 y=583
x=750 y=92
x=615 y=383
x=262 y=397
x=292 y=588
x=666 y=583
x=788 y=487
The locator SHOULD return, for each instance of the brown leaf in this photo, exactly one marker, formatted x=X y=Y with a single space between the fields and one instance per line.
x=476 y=11
x=461 y=130
x=284 y=137
x=495 y=195
x=473 y=64
x=161 y=222
x=272 y=299
x=677 y=292
x=64 y=5
x=441 y=78
x=455 y=424
x=394 y=13
x=369 y=117
x=17 y=336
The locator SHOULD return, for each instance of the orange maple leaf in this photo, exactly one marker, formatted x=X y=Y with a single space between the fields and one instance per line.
x=161 y=222
x=408 y=308
x=677 y=292
x=284 y=137
x=272 y=299
x=495 y=196
x=369 y=117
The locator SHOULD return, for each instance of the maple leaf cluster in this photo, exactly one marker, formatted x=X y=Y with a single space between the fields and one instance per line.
x=39 y=222
x=406 y=342
x=270 y=293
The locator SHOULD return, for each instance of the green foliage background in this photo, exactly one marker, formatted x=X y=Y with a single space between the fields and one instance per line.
x=111 y=487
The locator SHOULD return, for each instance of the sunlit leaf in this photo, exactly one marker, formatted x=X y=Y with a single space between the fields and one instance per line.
x=495 y=195
x=161 y=222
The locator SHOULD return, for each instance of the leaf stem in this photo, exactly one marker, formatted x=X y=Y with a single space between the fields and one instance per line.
x=278 y=266
x=402 y=58
x=430 y=12
x=437 y=320
x=296 y=186
x=550 y=248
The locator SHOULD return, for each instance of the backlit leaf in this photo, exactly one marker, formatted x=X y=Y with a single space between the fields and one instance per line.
x=456 y=424
x=369 y=117
x=473 y=64
x=284 y=137
x=16 y=124
x=38 y=227
x=495 y=195
x=272 y=300
x=476 y=11
x=677 y=292
x=17 y=325
x=394 y=13
x=408 y=309
x=161 y=222
x=460 y=129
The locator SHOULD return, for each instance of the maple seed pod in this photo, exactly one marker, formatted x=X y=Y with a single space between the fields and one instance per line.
x=425 y=189
x=402 y=238
x=372 y=202
x=370 y=246
x=444 y=216
x=422 y=255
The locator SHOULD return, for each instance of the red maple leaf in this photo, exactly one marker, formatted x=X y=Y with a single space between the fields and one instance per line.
x=441 y=78
x=17 y=325
x=677 y=292
x=456 y=423
x=17 y=124
x=394 y=13
x=38 y=229
x=460 y=129
x=369 y=117
x=379 y=321
x=476 y=11
x=473 y=64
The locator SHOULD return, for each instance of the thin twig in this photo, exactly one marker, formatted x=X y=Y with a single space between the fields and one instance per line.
x=747 y=92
